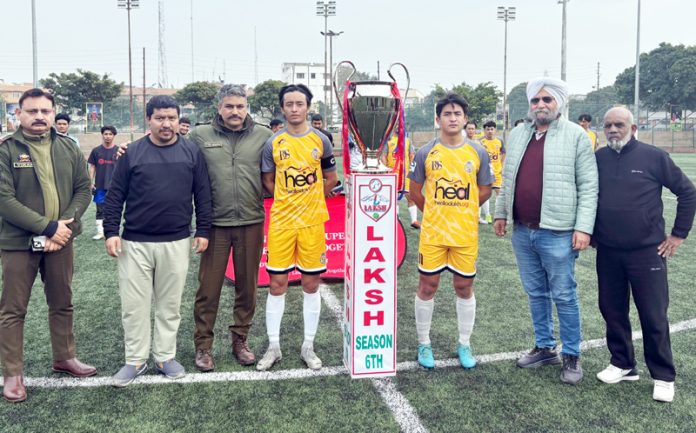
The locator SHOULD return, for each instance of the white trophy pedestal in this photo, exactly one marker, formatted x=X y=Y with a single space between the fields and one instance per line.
x=369 y=321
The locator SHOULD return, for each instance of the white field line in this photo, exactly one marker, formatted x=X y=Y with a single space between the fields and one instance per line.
x=404 y=414
x=300 y=373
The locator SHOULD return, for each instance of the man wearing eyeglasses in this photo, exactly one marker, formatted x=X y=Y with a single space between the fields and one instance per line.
x=549 y=194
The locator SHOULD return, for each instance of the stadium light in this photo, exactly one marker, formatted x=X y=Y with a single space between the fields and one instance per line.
x=326 y=9
x=505 y=14
x=128 y=5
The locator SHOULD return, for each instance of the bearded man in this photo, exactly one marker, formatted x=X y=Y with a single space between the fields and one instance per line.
x=632 y=248
x=549 y=193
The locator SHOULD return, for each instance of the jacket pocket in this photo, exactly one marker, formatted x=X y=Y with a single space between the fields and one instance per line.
x=622 y=228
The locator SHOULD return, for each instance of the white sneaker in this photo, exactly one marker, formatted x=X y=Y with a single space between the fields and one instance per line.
x=482 y=221
x=663 y=391
x=613 y=374
x=98 y=236
x=310 y=358
x=272 y=355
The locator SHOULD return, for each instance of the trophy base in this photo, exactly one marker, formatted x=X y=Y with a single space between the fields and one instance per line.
x=371 y=170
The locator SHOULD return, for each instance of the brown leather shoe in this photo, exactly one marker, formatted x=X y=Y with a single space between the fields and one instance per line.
x=204 y=360
x=14 y=390
x=241 y=350
x=416 y=225
x=74 y=367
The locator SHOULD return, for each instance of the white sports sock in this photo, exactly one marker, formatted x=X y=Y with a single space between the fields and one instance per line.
x=311 y=309
x=466 y=314
x=413 y=212
x=485 y=209
x=275 y=307
x=424 y=317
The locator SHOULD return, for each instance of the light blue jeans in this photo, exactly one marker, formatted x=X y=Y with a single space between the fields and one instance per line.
x=546 y=261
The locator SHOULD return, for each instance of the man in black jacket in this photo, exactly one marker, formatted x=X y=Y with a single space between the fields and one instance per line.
x=632 y=248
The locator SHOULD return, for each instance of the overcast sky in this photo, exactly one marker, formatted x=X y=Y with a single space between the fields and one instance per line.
x=441 y=42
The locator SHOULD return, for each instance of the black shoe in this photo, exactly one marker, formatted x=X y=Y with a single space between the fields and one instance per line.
x=572 y=370
x=538 y=357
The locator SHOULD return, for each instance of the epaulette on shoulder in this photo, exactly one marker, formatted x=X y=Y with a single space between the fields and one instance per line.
x=60 y=134
x=4 y=139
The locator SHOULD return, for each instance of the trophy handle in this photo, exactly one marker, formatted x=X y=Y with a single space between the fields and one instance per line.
x=408 y=76
x=335 y=77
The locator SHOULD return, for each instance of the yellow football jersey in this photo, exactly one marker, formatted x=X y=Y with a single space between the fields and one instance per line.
x=495 y=151
x=593 y=138
x=299 y=185
x=451 y=176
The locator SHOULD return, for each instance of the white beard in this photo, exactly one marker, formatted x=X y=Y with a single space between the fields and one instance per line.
x=617 y=145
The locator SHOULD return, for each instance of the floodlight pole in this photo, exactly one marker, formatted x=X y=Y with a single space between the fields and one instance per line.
x=34 y=43
x=506 y=14
x=331 y=34
x=636 y=92
x=326 y=9
x=128 y=5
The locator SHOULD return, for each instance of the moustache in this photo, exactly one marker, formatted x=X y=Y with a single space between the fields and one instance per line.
x=39 y=122
x=234 y=116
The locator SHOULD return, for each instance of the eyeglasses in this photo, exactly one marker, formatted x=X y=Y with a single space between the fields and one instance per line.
x=546 y=99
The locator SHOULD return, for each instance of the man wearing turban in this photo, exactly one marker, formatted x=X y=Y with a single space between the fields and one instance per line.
x=549 y=195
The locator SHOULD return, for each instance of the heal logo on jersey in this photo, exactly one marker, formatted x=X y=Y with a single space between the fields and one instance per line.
x=446 y=189
x=284 y=154
x=375 y=199
x=299 y=177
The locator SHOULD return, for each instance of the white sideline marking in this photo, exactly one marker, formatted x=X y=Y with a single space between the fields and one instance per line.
x=404 y=414
x=302 y=373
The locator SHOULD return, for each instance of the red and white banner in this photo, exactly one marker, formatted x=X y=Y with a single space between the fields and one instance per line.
x=369 y=330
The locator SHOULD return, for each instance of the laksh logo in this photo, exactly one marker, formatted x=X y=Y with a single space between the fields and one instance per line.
x=375 y=199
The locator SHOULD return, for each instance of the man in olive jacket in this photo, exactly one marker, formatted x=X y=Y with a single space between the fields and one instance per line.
x=232 y=147
x=44 y=189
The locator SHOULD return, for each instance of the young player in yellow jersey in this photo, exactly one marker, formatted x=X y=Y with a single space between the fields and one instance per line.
x=457 y=178
x=496 y=152
x=390 y=161
x=299 y=169
x=585 y=120
x=470 y=130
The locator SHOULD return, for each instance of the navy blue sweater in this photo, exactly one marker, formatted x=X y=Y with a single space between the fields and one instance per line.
x=156 y=184
x=629 y=212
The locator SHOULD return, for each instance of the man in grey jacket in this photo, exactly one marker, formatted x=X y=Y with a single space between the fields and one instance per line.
x=232 y=147
x=549 y=193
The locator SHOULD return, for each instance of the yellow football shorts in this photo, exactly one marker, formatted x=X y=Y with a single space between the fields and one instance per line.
x=433 y=259
x=303 y=248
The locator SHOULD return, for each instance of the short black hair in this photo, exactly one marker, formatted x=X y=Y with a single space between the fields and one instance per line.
x=470 y=122
x=317 y=117
x=295 y=88
x=161 y=101
x=185 y=120
x=109 y=128
x=490 y=124
x=275 y=122
x=518 y=121
x=37 y=93
x=585 y=117
x=451 y=98
x=63 y=116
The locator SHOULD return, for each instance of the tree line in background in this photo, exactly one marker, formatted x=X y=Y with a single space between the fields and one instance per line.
x=668 y=83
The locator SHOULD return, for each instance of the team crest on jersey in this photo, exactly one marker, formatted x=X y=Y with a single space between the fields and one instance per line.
x=284 y=154
x=315 y=154
x=469 y=166
x=322 y=259
x=435 y=165
x=375 y=199
x=23 y=161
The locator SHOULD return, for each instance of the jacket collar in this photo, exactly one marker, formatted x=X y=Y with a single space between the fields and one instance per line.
x=19 y=136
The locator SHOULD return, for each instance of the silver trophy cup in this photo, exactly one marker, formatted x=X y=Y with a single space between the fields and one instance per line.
x=372 y=113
